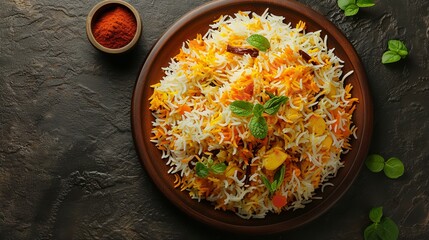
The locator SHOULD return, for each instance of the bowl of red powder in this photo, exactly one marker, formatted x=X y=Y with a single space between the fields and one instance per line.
x=113 y=26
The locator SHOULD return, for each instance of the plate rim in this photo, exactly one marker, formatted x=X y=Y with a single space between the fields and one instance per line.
x=363 y=147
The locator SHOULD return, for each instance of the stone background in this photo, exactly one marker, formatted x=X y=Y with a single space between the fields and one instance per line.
x=68 y=166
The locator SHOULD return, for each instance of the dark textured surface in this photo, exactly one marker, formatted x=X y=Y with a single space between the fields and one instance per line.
x=68 y=167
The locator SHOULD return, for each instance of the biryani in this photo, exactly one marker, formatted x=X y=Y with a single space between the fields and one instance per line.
x=254 y=115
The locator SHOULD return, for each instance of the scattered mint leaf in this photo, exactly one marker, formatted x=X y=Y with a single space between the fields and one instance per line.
x=258 y=41
x=202 y=170
x=272 y=106
x=218 y=168
x=387 y=229
x=344 y=3
x=365 y=3
x=370 y=232
x=375 y=214
x=258 y=127
x=398 y=47
x=390 y=57
x=397 y=50
x=393 y=168
x=351 y=9
x=375 y=163
x=382 y=228
x=241 y=108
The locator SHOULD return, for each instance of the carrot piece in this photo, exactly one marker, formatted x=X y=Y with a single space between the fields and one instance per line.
x=184 y=108
x=279 y=200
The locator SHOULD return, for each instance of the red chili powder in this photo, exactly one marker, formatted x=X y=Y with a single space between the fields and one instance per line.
x=115 y=27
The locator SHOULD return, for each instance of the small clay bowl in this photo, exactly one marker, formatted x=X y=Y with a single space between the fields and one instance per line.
x=101 y=8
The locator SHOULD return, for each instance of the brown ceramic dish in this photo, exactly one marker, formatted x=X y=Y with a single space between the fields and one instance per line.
x=197 y=21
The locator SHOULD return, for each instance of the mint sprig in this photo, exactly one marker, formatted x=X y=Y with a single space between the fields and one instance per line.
x=204 y=170
x=397 y=51
x=351 y=7
x=277 y=182
x=258 y=125
x=382 y=228
x=392 y=168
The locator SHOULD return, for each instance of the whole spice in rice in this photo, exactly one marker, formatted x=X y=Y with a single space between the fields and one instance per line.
x=115 y=28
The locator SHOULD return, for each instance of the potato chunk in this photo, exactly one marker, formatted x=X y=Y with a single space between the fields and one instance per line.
x=317 y=125
x=274 y=158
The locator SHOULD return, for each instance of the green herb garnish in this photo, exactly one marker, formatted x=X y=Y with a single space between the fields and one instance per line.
x=258 y=125
x=277 y=182
x=258 y=41
x=351 y=7
x=375 y=163
x=203 y=170
x=382 y=228
x=397 y=51
x=241 y=108
x=393 y=167
x=273 y=105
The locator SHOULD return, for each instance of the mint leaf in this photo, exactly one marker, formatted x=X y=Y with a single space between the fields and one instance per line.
x=258 y=41
x=370 y=232
x=344 y=3
x=277 y=182
x=241 y=108
x=351 y=10
x=390 y=57
x=397 y=50
x=258 y=127
x=382 y=228
x=266 y=182
x=279 y=176
x=375 y=163
x=398 y=47
x=273 y=186
x=375 y=214
x=272 y=106
x=218 y=168
x=258 y=109
x=365 y=3
x=394 y=168
x=387 y=229
x=201 y=170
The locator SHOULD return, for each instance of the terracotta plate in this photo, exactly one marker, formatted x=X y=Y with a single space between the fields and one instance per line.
x=197 y=21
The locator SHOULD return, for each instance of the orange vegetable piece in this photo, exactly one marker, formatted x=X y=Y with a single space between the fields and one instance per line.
x=184 y=108
x=279 y=200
